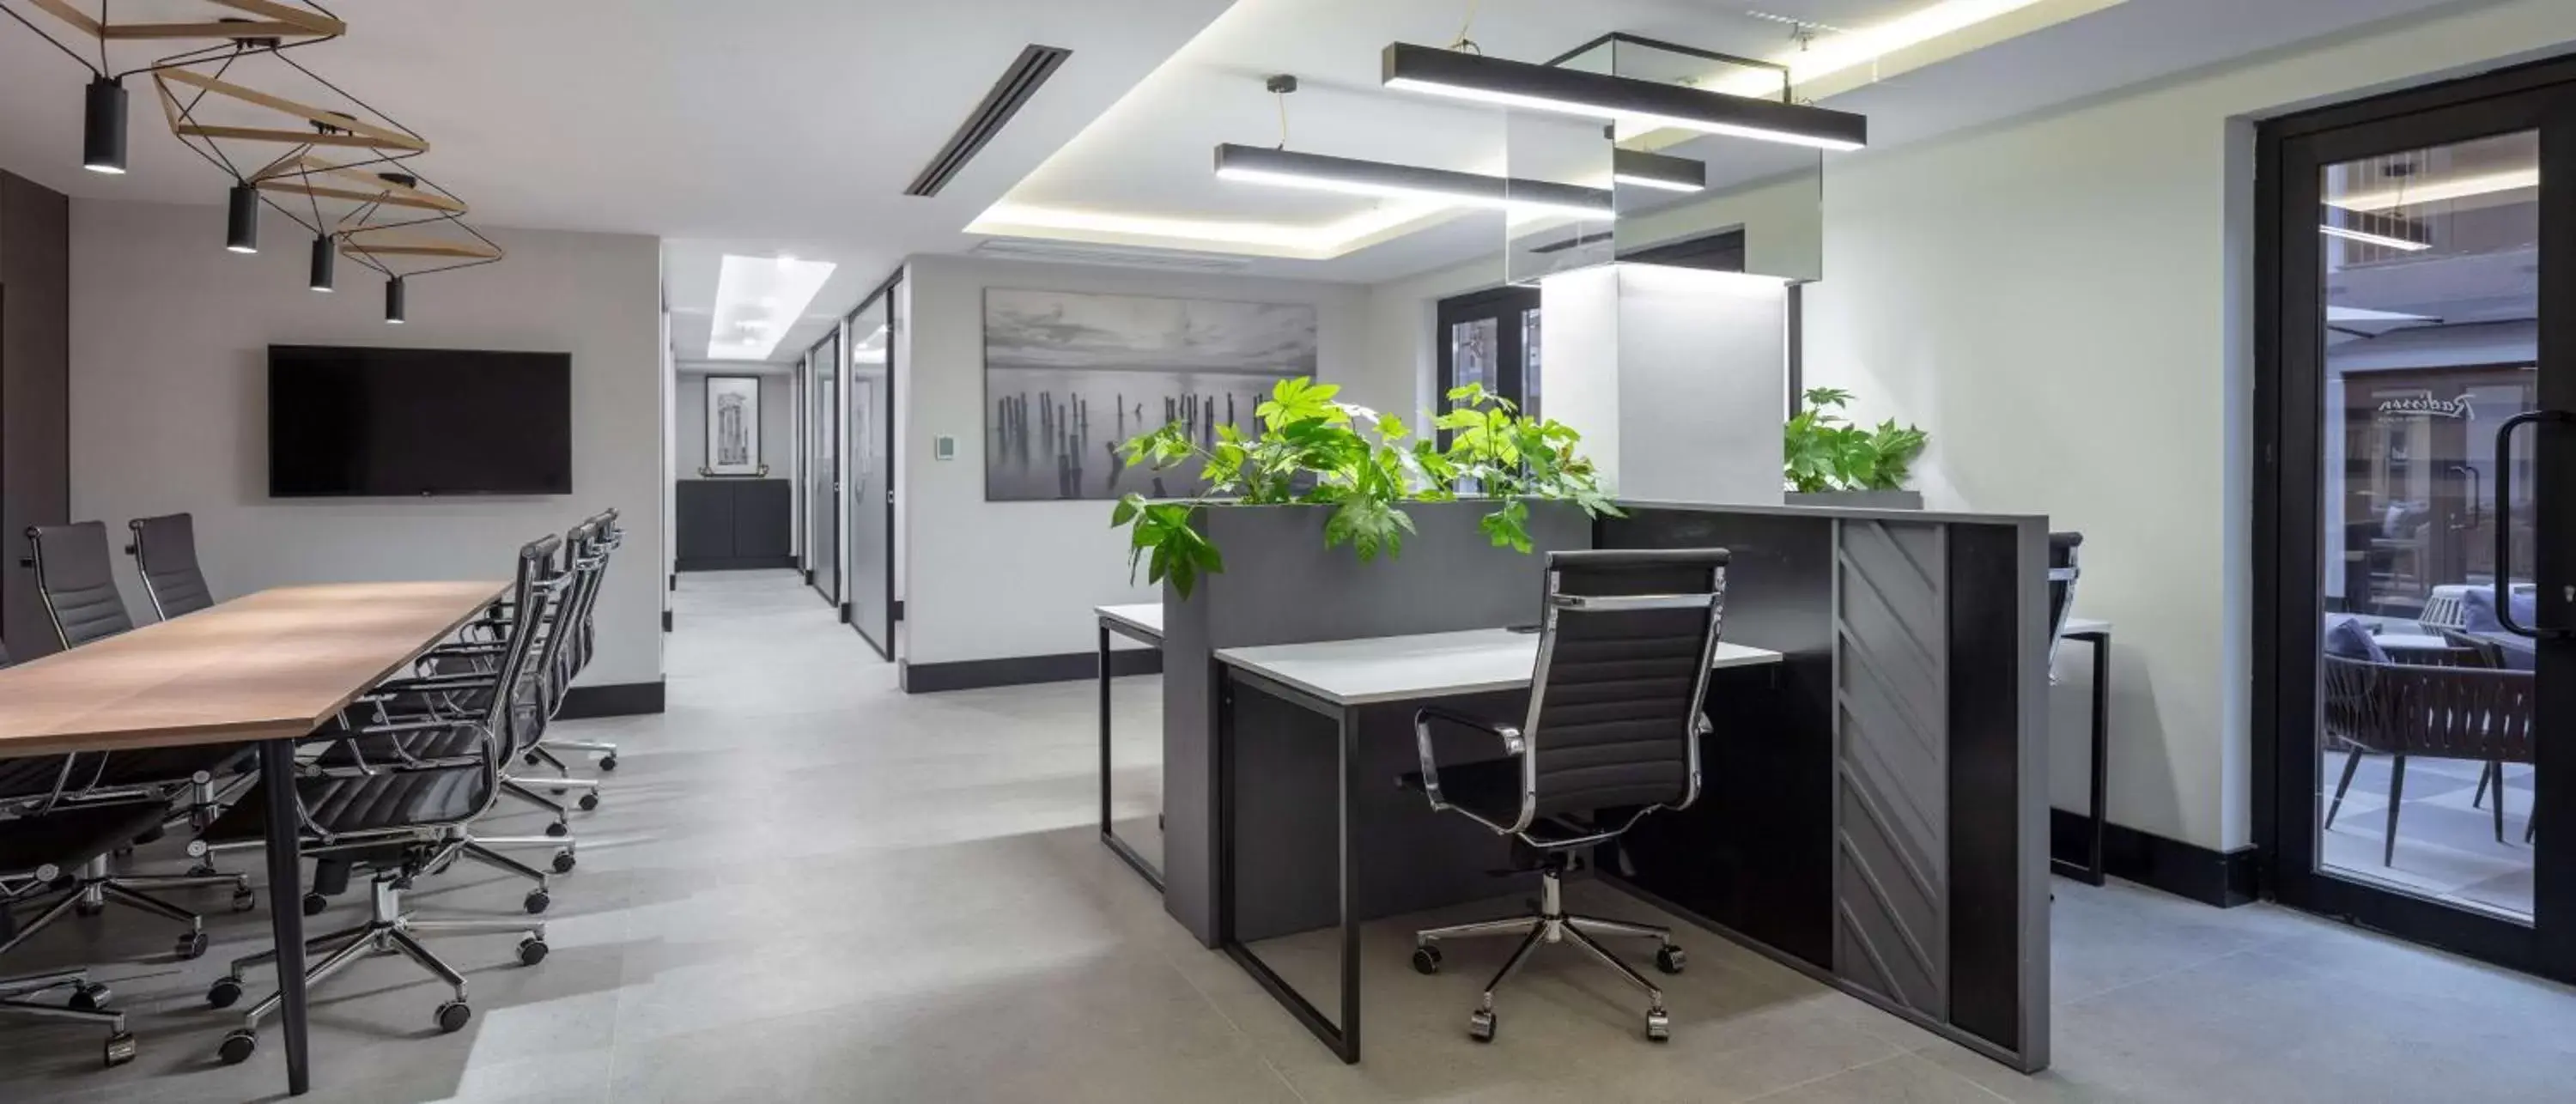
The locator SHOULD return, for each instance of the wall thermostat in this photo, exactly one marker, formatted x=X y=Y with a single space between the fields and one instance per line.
x=943 y=448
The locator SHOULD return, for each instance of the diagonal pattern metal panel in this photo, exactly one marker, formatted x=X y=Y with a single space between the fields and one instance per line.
x=1891 y=760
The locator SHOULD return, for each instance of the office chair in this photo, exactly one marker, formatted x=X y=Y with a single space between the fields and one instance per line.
x=165 y=554
x=1612 y=733
x=2063 y=570
x=403 y=822
x=606 y=538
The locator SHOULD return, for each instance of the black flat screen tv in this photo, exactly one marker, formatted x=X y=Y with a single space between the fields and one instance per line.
x=346 y=422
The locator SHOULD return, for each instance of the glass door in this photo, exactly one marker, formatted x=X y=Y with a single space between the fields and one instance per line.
x=1492 y=338
x=822 y=467
x=2418 y=549
x=871 y=452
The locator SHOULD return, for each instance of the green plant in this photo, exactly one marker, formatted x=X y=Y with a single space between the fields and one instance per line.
x=1313 y=450
x=1823 y=452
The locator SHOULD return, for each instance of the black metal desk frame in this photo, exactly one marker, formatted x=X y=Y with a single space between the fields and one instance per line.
x=1344 y=1037
x=1108 y=833
x=2090 y=871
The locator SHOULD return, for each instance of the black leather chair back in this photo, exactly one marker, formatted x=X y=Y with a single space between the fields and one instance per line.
x=1624 y=656
x=518 y=707
x=78 y=582
x=165 y=552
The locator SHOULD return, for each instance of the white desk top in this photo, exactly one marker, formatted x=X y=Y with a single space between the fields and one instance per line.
x=2085 y=624
x=1430 y=665
x=1144 y=617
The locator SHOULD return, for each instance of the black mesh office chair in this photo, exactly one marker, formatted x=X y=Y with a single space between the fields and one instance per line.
x=165 y=554
x=43 y=830
x=77 y=582
x=1612 y=734
x=403 y=822
x=2063 y=571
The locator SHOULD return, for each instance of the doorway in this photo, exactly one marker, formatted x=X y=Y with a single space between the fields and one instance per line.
x=822 y=467
x=871 y=505
x=2416 y=536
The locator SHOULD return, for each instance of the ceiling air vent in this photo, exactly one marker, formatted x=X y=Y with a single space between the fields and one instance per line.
x=1019 y=82
x=1033 y=249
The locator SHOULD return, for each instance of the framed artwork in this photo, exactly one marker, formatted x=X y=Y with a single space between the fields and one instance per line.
x=733 y=426
x=1069 y=376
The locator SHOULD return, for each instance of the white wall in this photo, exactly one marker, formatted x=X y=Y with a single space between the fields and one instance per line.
x=2065 y=303
x=689 y=421
x=169 y=404
x=985 y=580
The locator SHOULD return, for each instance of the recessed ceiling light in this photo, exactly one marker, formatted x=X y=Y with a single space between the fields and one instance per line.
x=745 y=285
x=1317 y=172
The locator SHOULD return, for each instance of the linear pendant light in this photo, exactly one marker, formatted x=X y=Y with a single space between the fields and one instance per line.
x=2367 y=238
x=1658 y=170
x=1262 y=165
x=1469 y=76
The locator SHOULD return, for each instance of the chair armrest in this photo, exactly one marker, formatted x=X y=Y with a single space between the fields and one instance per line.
x=1512 y=741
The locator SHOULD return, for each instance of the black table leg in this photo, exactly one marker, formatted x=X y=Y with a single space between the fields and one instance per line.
x=1108 y=832
x=1343 y=1037
x=286 y=903
x=2099 y=782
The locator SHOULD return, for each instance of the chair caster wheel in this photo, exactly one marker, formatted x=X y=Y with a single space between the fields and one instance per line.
x=558 y=829
x=563 y=862
x=1659 y=1027
x=203 y=870
x=452 y=1017
x=244 y=900
x=120 y=1049
x=1480 y=1026
x=608 y=762
x=532 y=950
x=1426 y=959
x=558 y=791
x=589 y=801
x=537 y=901
x=87 y=909
x=192 y=947
x=530 y=759
x=315 y=904
x=1670 y=958
x=237 y=1047
x=224 y=993
x=88 y=998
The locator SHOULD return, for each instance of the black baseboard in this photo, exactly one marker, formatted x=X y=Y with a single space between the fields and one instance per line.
x=809 y=573
x=675 y=580
x=666 y=620
x=845 y=613
x=733 y=563
x=2222 y=878
x=898 y=609
x=618 y=699
x=975 y=674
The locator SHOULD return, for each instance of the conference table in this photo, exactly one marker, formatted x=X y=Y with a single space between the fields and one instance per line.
x=265 y=669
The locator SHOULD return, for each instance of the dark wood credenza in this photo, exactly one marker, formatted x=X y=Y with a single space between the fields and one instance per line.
x=732 y=524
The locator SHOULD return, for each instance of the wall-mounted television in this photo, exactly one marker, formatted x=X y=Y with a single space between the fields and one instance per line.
x=409 y=422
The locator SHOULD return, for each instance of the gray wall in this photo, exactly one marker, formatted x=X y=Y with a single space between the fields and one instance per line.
x=987 y=580
x=169 y=404
x=35 y=290
x=689 y=422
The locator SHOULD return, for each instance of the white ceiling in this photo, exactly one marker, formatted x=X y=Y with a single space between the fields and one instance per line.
x=1148 y=158
x=748 y=126
x=791 y=126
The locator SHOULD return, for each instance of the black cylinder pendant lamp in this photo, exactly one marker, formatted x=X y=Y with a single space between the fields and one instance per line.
x=394 y=301
x=103 y=128
x=241 y=220
x=325 y=259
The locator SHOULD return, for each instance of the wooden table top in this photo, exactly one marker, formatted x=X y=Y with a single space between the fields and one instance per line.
x=268 y=665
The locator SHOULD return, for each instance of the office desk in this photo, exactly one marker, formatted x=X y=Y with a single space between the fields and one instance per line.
x=1143 y=623
x=267 y=668
x=1337 y=679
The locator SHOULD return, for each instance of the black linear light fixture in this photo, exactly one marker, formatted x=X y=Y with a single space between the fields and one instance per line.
x=1320 y=172
x=268 y=25
x=1664 y=171
x=1468 y=76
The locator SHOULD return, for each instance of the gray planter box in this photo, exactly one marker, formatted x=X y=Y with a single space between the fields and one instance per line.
x=1857 y=500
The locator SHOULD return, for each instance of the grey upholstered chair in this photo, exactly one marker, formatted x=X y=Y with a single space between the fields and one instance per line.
x=1612 y=733
x=77 y=582
x=165 y=554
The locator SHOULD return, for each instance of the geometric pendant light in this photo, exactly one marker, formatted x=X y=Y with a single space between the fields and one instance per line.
x=1459 y=74
x=272 y=25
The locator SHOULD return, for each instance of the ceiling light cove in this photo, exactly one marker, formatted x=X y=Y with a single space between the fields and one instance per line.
x=755 y=299
x=1317 y=172
x=1635 y=105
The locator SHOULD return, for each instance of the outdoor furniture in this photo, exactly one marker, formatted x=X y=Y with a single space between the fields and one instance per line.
x=2426 y=710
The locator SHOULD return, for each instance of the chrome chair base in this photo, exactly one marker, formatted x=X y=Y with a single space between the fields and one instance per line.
x=388 y=930
x=94 y=888
x=1552 y=924
x=84 y=1002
